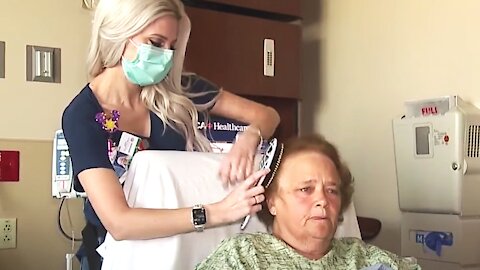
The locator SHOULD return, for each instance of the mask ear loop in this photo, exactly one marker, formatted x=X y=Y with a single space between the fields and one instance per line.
x=133 y=43
x=136 y=46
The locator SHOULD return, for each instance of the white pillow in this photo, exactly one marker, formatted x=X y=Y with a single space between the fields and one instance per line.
x=174 y=179
x=171 y=179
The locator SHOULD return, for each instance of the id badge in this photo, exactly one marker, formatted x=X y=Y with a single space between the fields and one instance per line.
x=126 y=149
x=128 y=144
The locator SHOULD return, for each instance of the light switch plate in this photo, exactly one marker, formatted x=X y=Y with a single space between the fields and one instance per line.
x=2 y=59
x=43 y=64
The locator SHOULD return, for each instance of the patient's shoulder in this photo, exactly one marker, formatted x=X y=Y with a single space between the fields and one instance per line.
x=368 y=255
x=245 y=244
x=235 y=252
x=247 y=240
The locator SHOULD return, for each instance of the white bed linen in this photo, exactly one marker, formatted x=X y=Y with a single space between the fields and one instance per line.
x=174 y=179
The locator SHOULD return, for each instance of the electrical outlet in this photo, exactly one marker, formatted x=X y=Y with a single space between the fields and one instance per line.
x=8 y=233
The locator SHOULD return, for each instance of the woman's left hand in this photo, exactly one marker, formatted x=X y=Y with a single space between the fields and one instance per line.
x=239 y=162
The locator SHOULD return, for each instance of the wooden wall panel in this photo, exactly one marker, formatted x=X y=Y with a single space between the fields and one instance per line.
x=288 y=111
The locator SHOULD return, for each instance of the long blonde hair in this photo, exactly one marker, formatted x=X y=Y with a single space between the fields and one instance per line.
x=115 y=21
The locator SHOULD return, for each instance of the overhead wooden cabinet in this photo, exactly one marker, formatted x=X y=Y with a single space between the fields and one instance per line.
x=227 y=46
x=284 y=7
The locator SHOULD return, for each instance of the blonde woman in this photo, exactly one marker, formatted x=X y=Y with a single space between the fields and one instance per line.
x=135 y=94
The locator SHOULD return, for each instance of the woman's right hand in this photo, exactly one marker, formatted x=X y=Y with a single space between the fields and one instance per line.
x=245 y=199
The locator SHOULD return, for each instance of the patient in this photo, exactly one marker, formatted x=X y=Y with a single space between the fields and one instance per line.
x=306 y=199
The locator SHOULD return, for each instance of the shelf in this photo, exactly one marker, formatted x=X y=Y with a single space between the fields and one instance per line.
x=283 y=10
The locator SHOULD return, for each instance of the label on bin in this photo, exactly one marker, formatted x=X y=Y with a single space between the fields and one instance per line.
x=432 y=241
x=429 y=107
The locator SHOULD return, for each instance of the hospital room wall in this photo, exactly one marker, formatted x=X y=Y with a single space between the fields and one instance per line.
x=40 y=245
x=362 y=60
x=30 y=113
x=34 y=108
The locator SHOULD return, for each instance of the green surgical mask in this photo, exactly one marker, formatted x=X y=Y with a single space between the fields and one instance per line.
x=150 y=66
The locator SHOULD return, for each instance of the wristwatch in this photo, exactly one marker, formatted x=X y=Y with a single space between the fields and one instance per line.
x=199 y=217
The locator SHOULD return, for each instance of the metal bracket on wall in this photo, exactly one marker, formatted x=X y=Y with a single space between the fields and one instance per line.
x=43 y=64
x=2 y=59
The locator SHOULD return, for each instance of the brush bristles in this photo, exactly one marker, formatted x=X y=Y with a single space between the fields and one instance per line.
x=276 y=164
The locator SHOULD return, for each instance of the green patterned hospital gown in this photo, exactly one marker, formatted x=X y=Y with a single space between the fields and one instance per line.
x=265 y=251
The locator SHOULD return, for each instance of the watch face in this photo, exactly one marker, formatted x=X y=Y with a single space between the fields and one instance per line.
x=199 y=217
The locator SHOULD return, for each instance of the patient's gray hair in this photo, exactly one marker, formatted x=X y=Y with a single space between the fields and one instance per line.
x=317 y=143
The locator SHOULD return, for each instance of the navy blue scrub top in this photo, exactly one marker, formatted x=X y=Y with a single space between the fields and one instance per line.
x=88 y=141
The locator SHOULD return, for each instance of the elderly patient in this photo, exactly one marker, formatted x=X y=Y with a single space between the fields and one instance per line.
x=306 y=199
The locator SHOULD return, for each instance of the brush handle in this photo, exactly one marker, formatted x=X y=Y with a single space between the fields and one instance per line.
x=245 y=222
x=247 y=218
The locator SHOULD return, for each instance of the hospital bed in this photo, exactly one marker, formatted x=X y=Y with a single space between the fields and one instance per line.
x=173 y=179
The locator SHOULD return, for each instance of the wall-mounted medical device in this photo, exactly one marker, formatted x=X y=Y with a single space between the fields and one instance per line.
x=62 y=172
x=437 y=151
x=437 y=157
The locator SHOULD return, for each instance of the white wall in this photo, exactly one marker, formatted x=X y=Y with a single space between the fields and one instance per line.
x=362 y=60
x=32 y=110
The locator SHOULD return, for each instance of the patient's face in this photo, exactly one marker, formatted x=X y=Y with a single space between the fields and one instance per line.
x=307 y=203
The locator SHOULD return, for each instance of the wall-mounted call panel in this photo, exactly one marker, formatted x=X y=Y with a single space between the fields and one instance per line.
x=2 y=59
x=9 y=166
x=43 y=64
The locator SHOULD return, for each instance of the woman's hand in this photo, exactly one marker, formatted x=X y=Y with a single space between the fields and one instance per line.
x=239 y=162
x=244 y=199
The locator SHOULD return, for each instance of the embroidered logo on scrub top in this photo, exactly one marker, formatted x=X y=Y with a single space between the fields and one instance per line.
x=109 y=123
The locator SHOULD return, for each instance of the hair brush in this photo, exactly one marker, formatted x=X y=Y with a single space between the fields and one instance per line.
x=271 y=159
